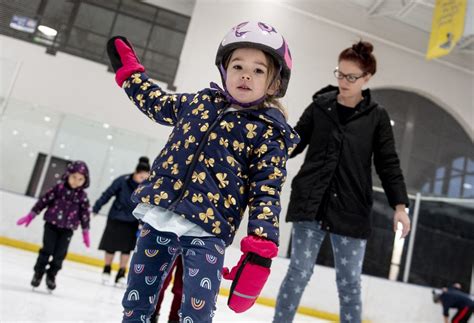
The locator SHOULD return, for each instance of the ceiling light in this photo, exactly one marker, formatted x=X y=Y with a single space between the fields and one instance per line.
x=14 y=132
x=24 y=145
x=109 y=137
x=62 y=146
x=392 y=122
x=467 y=186
x=106 y=125
x=48 y=31
x=47 y=119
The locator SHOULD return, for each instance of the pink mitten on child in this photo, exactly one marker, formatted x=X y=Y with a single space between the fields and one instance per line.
x=251 y=273
x=123 y=59
x=86 y=238
x=26 y=220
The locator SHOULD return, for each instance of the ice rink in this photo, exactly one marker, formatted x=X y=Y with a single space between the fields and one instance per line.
x=81 y=297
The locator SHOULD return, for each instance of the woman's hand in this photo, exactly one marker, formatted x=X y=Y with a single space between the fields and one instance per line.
x=401 y=216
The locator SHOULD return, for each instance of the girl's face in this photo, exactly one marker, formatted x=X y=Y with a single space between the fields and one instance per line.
x=349 y=69
x=140 y=177
x=76 y=180
x=248 y=75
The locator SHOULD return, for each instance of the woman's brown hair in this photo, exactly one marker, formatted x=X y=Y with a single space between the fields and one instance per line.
x=361 y=54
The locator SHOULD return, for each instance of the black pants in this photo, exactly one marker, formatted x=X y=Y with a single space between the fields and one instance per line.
x=55 y=243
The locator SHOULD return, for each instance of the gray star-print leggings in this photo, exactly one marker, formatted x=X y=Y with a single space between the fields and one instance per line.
x=307 y=238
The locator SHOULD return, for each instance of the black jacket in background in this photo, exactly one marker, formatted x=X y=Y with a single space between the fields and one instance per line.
x=334 y=184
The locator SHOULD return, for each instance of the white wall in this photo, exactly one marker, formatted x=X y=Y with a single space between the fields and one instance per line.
x=383 y=300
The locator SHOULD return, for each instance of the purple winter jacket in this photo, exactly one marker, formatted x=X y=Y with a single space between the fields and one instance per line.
x=67 y=207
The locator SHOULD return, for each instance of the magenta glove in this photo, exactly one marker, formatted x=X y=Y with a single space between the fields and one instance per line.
x=123 y=59
x=251 y=273
x=26 y=220
x=85 y=238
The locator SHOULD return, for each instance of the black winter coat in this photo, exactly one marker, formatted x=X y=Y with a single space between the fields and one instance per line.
x=122 y=189
x=334 y=184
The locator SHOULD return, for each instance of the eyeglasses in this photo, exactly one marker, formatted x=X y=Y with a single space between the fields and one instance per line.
x=349 y=77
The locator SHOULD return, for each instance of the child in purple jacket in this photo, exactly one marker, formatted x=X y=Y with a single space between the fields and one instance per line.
x=67 y=206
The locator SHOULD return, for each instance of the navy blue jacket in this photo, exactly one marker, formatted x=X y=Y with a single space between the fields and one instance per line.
x=216 y=161
x=455 y=299
x=122 y=189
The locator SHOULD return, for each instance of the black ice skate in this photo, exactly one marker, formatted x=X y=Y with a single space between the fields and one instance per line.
x=120 y=278
x=51 y=282
x=36 y=281
x=106 y=274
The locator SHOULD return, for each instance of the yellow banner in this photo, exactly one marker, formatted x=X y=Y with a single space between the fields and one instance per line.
x=447 y=27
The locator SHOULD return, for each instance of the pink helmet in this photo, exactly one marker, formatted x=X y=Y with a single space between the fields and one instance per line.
x=261 y=36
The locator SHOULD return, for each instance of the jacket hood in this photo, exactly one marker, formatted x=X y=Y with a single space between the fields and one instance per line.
x=276 y=119
x=77 y=167
x=329 y=93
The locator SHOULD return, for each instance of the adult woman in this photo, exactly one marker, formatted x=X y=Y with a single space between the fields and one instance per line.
x=120 y=233
x=344 y=128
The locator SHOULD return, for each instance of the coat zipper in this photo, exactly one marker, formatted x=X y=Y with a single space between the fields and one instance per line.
x=192 y=166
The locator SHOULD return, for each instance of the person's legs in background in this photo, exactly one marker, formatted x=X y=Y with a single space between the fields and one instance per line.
x=120 y=278
x=109 y=257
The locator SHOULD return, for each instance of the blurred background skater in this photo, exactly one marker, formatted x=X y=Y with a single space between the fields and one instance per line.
x=67 y=206
x=120 y=234
x=453 y=297
x=177 y=291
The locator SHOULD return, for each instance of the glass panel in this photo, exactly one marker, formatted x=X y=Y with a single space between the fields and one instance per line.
x=172 y=20
x=470 y=166
x=174 y=41
x=138 y=9
x=26 y=131
x=468 y=186
x=136 y=30
x=454 y=187
x=440 y=173
x=112 y=4
x=444 y=244
x=458 y=163
x=94 y=18
x=162 y=66
x=438 y=188
x=86 y=42
x=8 y=68
x=57 y=13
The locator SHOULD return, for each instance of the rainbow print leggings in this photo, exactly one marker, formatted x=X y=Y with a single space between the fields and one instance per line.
x=154 y=255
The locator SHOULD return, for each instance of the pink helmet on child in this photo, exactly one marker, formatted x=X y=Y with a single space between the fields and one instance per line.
x=261 y=36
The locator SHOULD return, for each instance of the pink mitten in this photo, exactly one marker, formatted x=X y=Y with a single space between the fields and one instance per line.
x=251 y=273
x=123 y=59
x=85 y=238
x=26 y=220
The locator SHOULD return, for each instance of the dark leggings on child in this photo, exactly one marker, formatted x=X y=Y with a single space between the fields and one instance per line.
x=55 y=243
